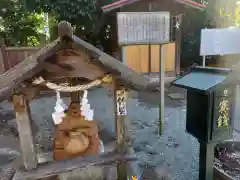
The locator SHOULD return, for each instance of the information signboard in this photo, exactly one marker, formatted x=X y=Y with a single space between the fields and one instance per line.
x=143 y=27
x=220 y=41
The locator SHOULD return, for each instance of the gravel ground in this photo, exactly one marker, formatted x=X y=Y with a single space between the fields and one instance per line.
x=174 y=154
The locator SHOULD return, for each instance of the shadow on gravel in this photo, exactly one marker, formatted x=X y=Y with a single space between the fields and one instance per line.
x=5 y=127
x=153 y=174
x=8 y=124
x=7 y=156
x=174 y=97
x=152 y=100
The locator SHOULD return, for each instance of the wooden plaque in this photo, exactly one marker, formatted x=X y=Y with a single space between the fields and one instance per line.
x=143 y=27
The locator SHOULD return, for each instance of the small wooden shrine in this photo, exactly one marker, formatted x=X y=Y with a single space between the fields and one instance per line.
x=70 y=65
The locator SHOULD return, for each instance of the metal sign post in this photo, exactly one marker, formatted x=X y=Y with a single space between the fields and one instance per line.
x=162 y=88
x=204 y=61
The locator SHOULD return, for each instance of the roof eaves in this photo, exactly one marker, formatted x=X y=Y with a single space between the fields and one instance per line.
x=192 y=4
x=121 y=3
x=117 y=4
x=26 y=69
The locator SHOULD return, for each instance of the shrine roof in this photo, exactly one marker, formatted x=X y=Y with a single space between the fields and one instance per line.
x=117 y=4
x=34 y=64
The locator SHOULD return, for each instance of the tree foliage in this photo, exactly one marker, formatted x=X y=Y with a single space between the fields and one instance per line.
x=22 y=20
x=83 y=14
x=17 y=26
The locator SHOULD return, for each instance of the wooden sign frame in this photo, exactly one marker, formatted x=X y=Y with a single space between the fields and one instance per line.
x=143 y=27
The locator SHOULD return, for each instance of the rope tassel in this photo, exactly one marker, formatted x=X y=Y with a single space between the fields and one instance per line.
x=65 y=88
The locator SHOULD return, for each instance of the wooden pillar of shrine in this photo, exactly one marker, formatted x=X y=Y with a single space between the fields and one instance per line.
x=120 y=114
x=75 y=96
x=24 y=121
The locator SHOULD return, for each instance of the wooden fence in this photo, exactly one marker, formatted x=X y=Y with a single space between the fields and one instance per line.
x=135 y=57
x=10 y=56
x=17 y=54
